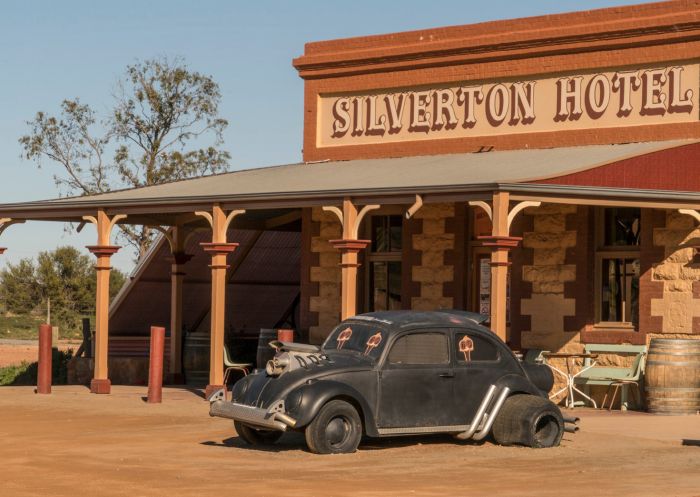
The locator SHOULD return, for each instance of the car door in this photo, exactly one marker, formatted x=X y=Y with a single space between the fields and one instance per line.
x=416 y=381
x=478 y=365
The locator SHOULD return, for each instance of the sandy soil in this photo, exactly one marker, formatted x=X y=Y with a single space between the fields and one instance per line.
x=72 y=443
x=18 y=351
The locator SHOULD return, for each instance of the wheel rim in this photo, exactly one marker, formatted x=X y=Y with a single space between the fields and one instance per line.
x=546 y=430
x=337 y=431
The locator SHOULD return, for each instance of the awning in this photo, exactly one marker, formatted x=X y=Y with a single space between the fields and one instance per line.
x=298 y=185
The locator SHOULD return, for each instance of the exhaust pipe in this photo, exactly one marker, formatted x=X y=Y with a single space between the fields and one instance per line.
x=255 y=417
x=574 y=420
x=478 y=416
x=571 y=429
x=492 y=415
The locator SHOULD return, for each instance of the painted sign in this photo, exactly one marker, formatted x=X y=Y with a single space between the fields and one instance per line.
x=595 y=100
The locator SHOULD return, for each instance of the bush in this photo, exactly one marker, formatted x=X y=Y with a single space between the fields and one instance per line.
x=26 y=373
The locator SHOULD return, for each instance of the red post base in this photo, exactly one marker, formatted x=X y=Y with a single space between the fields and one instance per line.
x=285 y=335
x=155 y=368
x=211 y=389
x=43 y=384
x=100 y=386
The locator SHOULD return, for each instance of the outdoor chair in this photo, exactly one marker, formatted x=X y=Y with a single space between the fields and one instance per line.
x=634 y=375
x=230 y=366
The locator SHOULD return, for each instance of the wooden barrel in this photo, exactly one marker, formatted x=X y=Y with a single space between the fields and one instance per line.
x=195 y=359
x=672 y=376
x=265 y=352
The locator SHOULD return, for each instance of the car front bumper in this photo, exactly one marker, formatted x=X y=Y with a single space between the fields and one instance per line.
x=271 y=419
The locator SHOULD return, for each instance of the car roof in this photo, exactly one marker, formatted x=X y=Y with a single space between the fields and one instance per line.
x=402 y=320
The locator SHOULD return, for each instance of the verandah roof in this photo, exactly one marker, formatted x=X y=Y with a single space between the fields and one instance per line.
x=304 y=184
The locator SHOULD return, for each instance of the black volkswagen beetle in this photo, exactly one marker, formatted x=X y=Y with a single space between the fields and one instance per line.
x=397 y=373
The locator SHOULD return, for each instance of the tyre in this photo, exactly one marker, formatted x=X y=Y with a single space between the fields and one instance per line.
x=528 y=420
x=253 y=436
x=336 y=429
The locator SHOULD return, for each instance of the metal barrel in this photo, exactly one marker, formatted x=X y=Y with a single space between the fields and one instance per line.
x=672 y=377
x=195 y=360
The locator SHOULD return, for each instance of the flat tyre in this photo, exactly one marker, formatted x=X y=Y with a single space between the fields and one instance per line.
x=253 y=436
x=530 y=421
x=336 y=429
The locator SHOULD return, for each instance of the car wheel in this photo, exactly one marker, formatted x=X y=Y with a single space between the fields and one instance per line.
x=254 y=436
x=336 y=429
x=528 y=420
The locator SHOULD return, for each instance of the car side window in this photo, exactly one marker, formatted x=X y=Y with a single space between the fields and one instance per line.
x=420 y=349
x=473 y=348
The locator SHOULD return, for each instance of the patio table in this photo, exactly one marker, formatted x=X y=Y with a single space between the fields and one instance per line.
x=570 y=375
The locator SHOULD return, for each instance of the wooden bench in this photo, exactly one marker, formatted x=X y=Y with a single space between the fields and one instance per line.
x=609 y=375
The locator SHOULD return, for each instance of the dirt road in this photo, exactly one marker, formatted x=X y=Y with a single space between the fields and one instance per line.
x=18 y=351
x=72 y=443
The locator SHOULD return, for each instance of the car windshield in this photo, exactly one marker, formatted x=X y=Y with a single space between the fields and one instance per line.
x=362 y=338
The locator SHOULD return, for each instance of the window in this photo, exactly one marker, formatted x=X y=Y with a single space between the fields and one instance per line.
x=385 y=263
x=472 y=348
x=420 y=349
x=617 y=266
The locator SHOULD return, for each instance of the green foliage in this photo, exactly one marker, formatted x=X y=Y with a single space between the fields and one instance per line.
x=26 y=373
x=65 y=277
x=24 y=327
x=161 y=110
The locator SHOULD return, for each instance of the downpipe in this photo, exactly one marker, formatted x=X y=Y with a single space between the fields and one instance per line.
x=466 y=435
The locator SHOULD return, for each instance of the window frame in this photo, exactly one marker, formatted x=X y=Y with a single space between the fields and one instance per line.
x=387 y=364
x=371 y=256
x=461 y=362
x=602 y=252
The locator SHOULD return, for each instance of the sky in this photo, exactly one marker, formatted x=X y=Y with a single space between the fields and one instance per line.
x=52 y=50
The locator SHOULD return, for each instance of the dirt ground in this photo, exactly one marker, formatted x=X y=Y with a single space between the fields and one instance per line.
x=18 y=351
x=73 y=443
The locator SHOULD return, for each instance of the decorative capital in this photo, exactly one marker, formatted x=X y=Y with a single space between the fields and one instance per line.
x=221 y=248
x=345 y=245
x=103 y=250
x=500 y=242
x=180 y=258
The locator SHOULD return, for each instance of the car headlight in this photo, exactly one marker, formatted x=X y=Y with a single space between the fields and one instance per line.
x=293 y=400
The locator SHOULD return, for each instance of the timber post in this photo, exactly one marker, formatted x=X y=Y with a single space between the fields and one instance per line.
x=100 y=383
x=219 y=248
x=349 y=247
x=501 y=243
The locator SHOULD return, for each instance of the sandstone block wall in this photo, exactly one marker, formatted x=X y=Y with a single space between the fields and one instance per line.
x=434 y=243
x=678 y=305
x=548 y=273
x=325 y=273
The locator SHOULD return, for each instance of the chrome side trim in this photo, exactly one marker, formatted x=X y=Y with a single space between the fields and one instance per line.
x=422 y=429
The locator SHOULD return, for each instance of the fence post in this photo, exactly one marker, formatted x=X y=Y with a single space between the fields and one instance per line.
x=155 y=365
x=43 y=379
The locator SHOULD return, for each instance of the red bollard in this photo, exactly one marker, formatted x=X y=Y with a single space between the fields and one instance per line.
x=43 y=379
x=285 y=335
x=155 y=366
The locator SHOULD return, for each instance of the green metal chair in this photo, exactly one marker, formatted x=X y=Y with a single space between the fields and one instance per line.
x=632 y=379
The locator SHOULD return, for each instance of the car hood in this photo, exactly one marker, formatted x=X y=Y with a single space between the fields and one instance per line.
x=260 y=390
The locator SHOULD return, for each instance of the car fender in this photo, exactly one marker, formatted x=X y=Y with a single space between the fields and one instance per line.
x=518 y=383
x=316 y=394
